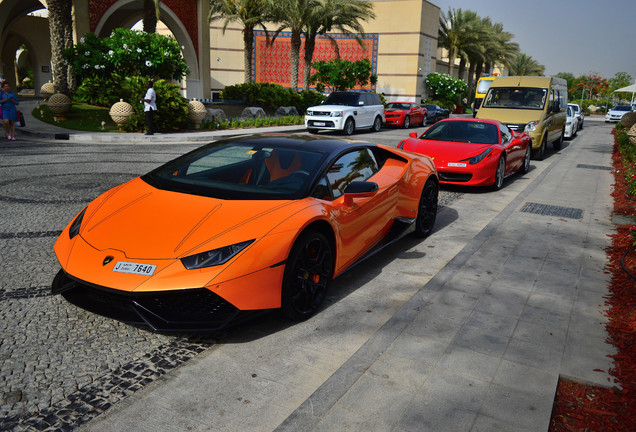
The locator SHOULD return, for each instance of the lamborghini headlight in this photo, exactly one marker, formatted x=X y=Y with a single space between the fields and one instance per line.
x=476 y=159
x=214 y=257
x=74 y=229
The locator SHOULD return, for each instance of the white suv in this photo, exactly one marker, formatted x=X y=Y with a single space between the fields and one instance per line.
x=346 y=112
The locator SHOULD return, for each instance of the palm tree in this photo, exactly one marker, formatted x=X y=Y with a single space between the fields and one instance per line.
x=523 y=65
x=151 y=15
x=295 y=16
x=459 y=31
x=61 y=31
x=250 y=14
x=343 y=15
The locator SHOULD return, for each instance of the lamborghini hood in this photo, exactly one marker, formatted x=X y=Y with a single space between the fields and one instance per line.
x=148 y=223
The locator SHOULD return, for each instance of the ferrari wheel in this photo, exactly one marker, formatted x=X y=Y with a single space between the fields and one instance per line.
x=427 y=210
x=526 y=162
x=407 y=122
x=349 y=127
x=499 y=174
x=308 y=273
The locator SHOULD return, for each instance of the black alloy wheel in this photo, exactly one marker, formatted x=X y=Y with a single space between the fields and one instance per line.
x=308 y=273
x=427 y=209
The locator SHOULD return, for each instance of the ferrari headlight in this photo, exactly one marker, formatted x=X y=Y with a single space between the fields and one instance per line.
x=77 y=223
x=476 y=159
x=214 y=257
x=336 y=114
x=531 y=126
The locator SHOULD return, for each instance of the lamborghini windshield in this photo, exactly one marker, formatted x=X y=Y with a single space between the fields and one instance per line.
x=516 y=98
x=235 y=170
x=462 y=131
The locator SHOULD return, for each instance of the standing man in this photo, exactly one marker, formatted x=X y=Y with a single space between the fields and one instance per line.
x=150 y=106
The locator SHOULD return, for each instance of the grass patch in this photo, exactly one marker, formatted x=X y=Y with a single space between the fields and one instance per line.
x=81 y=117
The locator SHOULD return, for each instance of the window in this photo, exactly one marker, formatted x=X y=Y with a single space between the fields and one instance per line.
x=357 y=165
x=506 y=136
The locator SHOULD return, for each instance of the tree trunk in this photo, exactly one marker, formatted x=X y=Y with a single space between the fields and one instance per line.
x=71 y=78
x=60 y=19
x=248 y=41
x=462 y=68
x=294 y=57
x=310 y=44
x=471 y=82
x=150 y=16
x=451 y=60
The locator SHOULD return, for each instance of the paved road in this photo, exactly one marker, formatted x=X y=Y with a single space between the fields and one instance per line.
x=62 y=366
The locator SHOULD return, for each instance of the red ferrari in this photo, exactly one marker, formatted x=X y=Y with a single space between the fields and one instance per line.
x=404 y=114
x=473 y=152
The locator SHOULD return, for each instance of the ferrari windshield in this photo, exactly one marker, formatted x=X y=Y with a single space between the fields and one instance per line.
x=462 y=131
x=516 y=98
x=235 y=170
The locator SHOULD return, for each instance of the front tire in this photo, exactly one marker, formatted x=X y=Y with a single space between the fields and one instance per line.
x=500 y=173
x=427 y=209
x=526 y=162
x=539 y=154
x=349 y=127
x=308 y=273
x=312 y=131
x=407 y=122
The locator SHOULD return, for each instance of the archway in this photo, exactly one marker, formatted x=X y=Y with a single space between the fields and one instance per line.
x=125 y=13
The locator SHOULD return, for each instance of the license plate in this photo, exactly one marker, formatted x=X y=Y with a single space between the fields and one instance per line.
x=456 y=164
x=134 y=268
x=319 y=123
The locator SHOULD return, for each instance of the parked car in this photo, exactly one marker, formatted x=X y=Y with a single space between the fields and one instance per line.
x=571 y=123
x=404 y=114
x=616 y=114
x=473 y=152
x=240 y=225
x=580 y=115
x=435 y=113
x=347 y=112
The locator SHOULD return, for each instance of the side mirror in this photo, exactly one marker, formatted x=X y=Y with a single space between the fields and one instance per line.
x=413 y=134
x=359 y=189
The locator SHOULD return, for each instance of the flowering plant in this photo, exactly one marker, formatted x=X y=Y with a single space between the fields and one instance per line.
x=445 y=87
x=127 y=53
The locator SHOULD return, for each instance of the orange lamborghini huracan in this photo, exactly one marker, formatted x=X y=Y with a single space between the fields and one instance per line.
x=240 y=225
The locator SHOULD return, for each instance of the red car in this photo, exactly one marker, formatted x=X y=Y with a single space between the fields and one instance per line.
x=404 y=114
x=473 y=152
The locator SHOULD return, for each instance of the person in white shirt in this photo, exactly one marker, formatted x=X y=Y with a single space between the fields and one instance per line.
x=150 y=106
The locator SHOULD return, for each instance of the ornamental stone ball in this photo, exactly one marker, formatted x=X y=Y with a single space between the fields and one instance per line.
x=196 y=112
x=120 y=112
x=60 y=105
x=47 y=90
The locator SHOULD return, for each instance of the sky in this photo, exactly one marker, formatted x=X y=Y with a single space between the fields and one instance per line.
x=576 y=36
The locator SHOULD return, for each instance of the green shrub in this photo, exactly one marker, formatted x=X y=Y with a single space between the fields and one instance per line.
x=272 y=96
x=172 y=108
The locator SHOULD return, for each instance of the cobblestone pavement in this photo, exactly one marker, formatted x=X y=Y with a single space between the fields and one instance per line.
x=61 y=366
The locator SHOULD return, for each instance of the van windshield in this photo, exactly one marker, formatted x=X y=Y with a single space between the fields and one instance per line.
x=516 y=98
